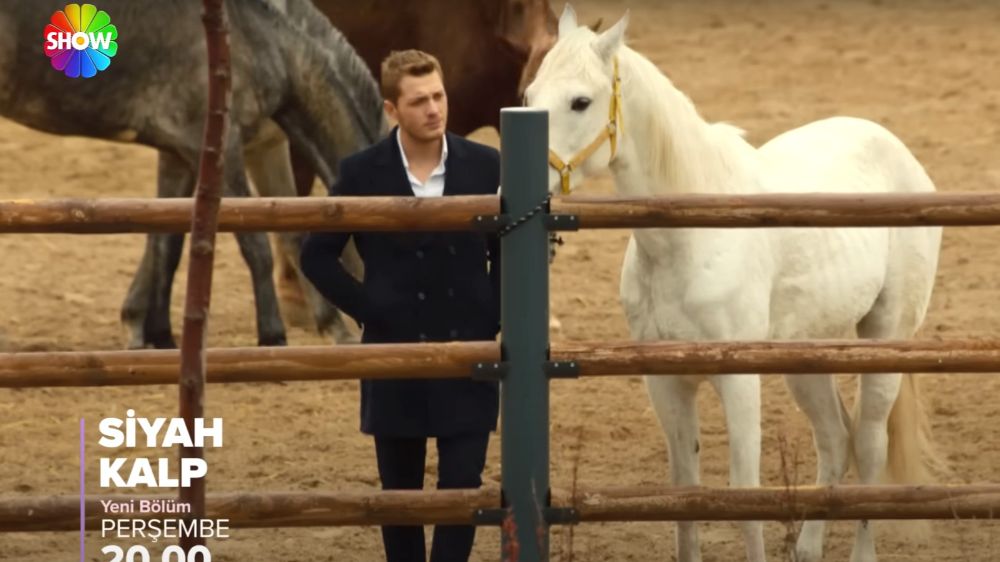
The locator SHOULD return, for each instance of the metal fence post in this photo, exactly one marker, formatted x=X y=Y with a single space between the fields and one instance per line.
x=525 y=336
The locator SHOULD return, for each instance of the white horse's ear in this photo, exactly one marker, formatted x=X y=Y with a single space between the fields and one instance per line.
x=608 y=43
x=567 y=21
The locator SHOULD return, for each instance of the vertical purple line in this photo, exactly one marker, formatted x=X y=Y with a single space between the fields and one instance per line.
x=83 y=504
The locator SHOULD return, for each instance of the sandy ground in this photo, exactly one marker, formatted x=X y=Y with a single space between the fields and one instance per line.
x=927 y=70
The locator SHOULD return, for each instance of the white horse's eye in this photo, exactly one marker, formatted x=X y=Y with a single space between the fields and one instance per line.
x=580 y=104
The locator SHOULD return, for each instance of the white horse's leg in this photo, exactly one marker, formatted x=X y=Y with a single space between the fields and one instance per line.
x=740 y=395
x=818 y=397
x=673 y=400
x=877 y=393
x=871 y=442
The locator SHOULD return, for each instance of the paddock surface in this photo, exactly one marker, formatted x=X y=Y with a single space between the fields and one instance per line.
x=927 y=69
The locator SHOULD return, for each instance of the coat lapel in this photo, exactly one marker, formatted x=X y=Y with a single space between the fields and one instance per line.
x=391 y=178
x=454 y=176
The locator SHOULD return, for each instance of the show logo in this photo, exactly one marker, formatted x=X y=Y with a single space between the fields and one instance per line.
x=80 y=41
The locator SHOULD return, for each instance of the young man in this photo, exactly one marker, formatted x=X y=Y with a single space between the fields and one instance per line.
x=419 y=287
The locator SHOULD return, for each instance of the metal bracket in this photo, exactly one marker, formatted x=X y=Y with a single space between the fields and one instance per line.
x=562 y=222
x=561 y=516
x=489 y=223
x=552 y=516
x=561 y=369
x=490 y=371
x=492 y=517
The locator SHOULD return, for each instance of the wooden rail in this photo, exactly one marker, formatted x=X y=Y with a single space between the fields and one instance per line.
x=455 y=360
x=103 y=216
x=785 y=209
x=236 y=214
x=782 y=357
x=252 y=364
x=303 y=509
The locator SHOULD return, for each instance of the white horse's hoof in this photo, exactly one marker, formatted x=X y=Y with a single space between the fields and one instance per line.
x=864 y=544
x=863 y=554
x=808 y=552
x=809 y=546
x=554 y=324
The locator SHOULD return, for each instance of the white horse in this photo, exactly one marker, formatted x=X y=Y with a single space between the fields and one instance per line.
x=749 y=284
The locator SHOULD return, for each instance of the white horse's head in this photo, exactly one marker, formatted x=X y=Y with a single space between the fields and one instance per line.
x=579 y=86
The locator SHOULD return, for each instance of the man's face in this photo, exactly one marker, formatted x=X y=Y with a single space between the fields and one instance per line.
x=422 y=107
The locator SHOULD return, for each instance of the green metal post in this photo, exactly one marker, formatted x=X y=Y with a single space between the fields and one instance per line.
x=524 y=140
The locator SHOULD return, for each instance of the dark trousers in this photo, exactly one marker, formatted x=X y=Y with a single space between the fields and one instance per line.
x=401 y=463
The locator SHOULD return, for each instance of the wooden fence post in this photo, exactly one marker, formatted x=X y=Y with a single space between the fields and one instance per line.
x=204 y=221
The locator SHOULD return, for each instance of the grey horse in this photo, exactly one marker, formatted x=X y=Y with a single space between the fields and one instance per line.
x=295 y=71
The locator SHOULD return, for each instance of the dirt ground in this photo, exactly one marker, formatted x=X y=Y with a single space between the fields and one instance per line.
x=929 y=70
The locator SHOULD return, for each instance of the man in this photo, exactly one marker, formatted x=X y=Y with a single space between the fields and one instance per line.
x=419 y=287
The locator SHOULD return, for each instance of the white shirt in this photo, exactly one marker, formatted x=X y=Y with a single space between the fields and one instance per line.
x=434 y=186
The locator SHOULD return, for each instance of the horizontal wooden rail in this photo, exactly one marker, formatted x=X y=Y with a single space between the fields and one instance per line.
x=103 y=216
x=782 y=357
x=293 y=509
x=252 y=364
x=238 y=214
x=304 y=509
x=455 y=360
x=784 y=504
x=785 y=209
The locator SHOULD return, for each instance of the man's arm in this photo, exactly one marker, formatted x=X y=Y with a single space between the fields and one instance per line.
x=321 y=264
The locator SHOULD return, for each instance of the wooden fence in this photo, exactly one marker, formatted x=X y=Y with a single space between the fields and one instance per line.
x=528 y=362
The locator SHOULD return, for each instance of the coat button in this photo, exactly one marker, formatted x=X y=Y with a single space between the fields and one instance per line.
x=421 y=296
x=423 y=337
x=451 y=292
x=453 y=334
x=451 y=249
x=420 y=254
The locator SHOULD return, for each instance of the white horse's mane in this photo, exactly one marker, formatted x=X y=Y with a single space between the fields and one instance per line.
x=680 y=150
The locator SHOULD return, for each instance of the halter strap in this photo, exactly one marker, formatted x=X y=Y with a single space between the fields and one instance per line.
x=609 y=133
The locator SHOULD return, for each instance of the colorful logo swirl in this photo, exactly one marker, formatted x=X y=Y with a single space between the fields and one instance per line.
x=80 y=40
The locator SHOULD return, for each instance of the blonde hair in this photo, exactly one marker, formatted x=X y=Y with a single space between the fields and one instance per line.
x=399 y=64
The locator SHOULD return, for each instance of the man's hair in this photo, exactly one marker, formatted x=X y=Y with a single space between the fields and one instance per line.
x=405 y=63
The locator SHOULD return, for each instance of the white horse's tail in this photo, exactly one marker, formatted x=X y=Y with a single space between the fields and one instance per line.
x=911 y=458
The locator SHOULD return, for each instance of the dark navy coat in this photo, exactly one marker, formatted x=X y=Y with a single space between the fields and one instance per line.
x=417 y=287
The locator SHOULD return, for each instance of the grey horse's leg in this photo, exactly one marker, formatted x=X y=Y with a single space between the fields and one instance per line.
x=256 y=251
x=133 y=312
x=270 y=169
x=329 y=319
x=146 y=310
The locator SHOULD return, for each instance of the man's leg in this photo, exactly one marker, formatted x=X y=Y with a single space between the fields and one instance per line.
x=401 y=467
x=460 y=465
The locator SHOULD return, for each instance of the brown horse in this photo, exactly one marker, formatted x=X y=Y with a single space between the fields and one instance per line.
x=489 y=51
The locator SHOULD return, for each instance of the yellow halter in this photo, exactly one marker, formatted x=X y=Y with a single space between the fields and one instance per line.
x=609 y=133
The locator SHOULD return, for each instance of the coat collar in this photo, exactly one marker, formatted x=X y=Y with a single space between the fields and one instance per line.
x=388 y=150
x=394 y=177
